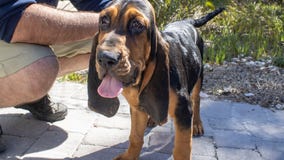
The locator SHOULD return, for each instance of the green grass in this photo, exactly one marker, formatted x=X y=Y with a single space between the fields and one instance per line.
x=77 y=77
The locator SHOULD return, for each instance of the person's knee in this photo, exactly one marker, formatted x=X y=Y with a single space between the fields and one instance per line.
x=30 y=83
x=43 y=74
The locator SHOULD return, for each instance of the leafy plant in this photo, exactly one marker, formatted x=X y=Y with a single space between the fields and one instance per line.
x=78 y=77
x=251 y=28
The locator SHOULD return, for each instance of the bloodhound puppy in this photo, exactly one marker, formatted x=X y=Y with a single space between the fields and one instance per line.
x=159 y=73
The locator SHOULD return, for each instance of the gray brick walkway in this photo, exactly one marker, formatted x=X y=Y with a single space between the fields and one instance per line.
x=233 y=131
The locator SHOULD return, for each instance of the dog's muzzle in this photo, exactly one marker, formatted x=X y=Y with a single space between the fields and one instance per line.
x=108 y=59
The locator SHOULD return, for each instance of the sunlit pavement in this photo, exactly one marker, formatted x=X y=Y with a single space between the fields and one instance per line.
x=233 y=131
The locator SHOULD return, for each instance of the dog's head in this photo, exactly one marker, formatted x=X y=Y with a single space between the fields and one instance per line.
x=128 y=52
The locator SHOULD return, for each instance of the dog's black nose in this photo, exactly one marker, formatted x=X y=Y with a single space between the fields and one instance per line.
x=108 y=59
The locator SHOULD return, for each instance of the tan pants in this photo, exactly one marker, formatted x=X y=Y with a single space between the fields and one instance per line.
x=15 y=56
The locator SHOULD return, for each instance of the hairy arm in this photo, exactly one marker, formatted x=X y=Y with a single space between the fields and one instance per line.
x=45 y=25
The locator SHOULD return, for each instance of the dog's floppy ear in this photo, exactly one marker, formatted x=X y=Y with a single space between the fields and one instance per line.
x=105 y=106
x=154 y=90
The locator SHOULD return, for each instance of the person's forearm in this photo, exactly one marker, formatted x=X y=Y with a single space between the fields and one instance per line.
x=45 y=25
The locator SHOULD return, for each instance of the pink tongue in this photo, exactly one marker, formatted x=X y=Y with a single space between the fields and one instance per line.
x=110 y=87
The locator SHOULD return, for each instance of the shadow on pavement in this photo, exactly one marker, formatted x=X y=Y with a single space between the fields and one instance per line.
x=25 y=135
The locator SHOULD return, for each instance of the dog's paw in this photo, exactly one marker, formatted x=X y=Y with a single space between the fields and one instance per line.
x=198 y=129
x=124 y=156
x=120 y=157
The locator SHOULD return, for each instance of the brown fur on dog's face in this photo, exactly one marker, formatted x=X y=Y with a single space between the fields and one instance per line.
x=129 y=52
x=127 y=37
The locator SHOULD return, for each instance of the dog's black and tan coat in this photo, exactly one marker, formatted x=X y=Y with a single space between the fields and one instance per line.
x=159 y=73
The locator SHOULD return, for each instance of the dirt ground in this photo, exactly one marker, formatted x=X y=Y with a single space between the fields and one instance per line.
x=245 y=80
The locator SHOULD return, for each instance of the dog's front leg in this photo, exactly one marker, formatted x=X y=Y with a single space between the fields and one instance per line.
x=138 y=125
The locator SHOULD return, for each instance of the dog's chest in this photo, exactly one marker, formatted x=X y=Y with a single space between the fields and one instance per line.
x=131 y=95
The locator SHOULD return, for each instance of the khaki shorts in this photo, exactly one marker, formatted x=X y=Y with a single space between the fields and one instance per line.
x=15 y=56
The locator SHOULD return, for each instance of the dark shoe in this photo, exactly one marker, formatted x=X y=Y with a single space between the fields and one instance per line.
x=2 y=144
x=46 y=110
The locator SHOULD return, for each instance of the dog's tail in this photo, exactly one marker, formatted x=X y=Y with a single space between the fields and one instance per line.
x=203 y=20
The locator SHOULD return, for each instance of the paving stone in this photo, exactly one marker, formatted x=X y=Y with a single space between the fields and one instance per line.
x=196 y=157
x=79 y=121
x=203 y=147
x=65 y=89
x=220 y=109
x=23 y=127
x=278 y=117
x=124 y=107
x=237 y=154
x=234 y=139
x=122 y=100
x=163 y=142
x=251 y=113
x=117 y=121
x=72 y=103
x=159 y=142
x=16 y=146
x=155 y=156
x=81 y=94
x=208 y=130
x=13 y=112
x=66 y=5
x=92 y=152
x=107 y=137
x=55 y=144
x=272 y=155
x=271 y=150
x=266 y=131
x=226 y=124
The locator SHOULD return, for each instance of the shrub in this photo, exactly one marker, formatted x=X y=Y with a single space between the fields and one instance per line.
x=250 y=28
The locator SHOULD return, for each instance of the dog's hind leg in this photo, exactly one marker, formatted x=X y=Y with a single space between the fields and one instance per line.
x=181 y=112
x=195 y=99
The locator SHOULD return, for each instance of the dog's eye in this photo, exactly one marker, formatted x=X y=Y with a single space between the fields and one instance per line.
x=135 y=26
x=104 y=22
